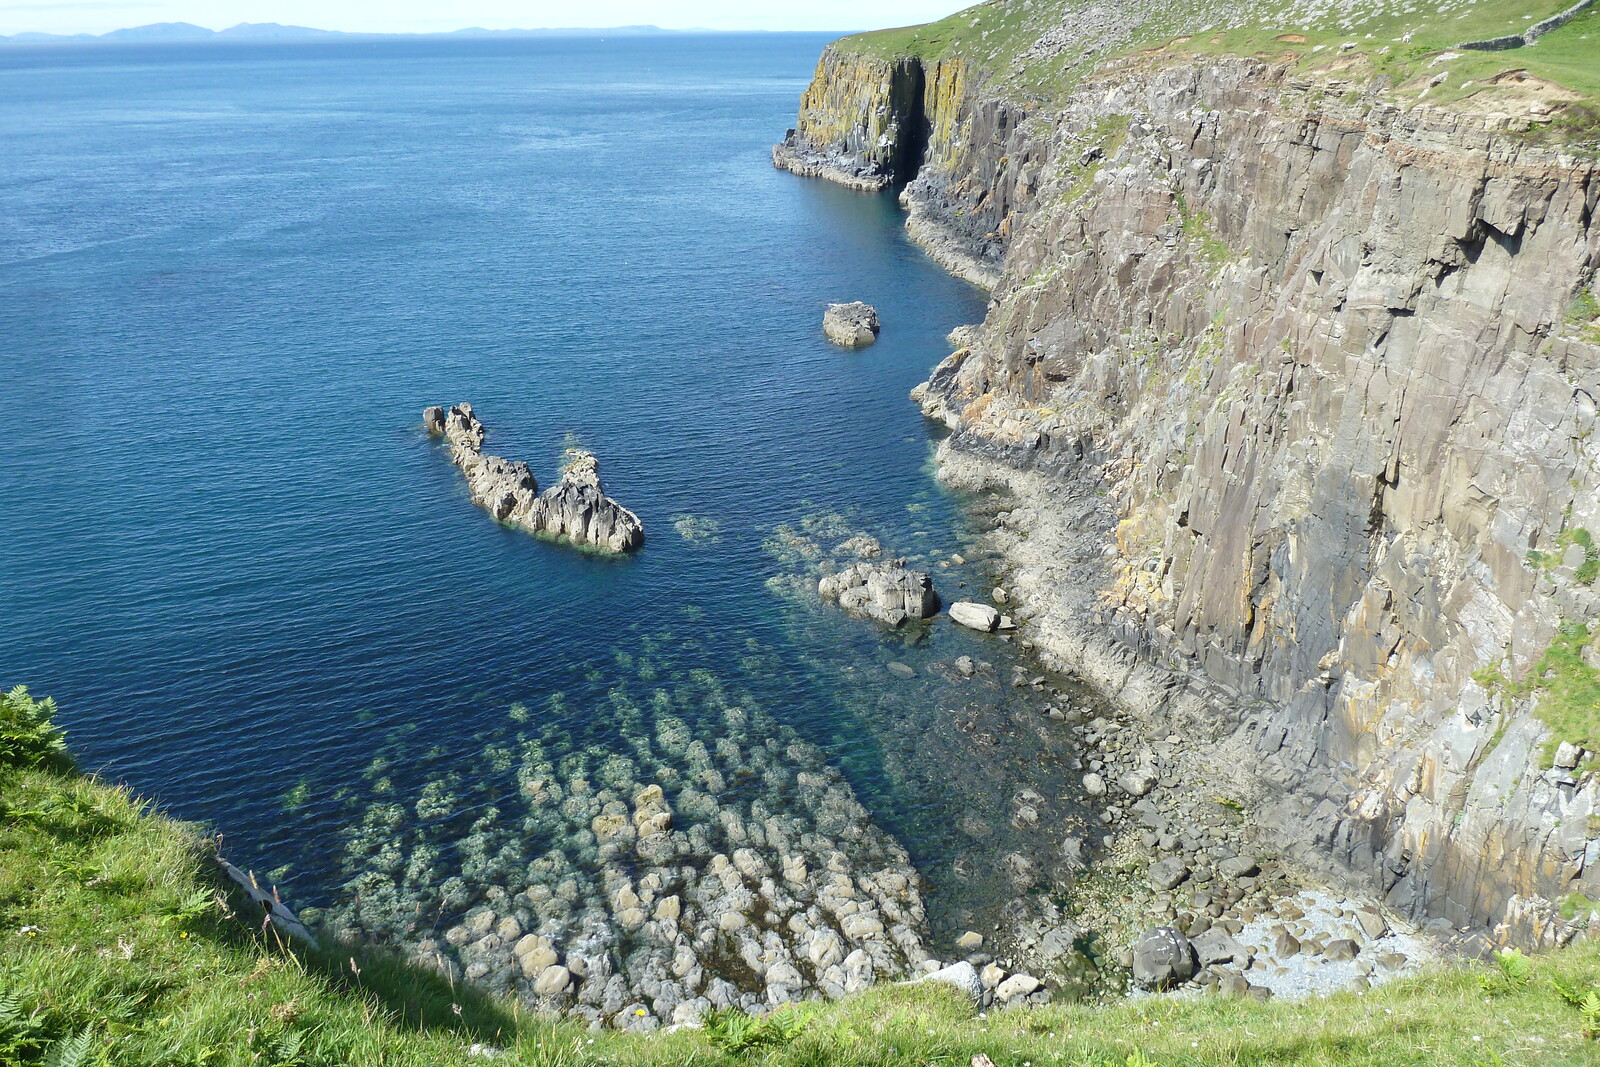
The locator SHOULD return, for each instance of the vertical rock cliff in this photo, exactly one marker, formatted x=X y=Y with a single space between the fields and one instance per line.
x=1293 y=373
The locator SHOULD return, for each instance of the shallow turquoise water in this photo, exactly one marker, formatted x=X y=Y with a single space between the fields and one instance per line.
x=232 y=276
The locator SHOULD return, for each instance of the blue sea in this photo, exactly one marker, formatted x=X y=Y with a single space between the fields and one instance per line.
x=231 y=277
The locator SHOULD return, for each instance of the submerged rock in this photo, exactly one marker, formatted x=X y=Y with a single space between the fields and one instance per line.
x=852 y=325
x=575 y=509
x=888 y=592
x=703 y=857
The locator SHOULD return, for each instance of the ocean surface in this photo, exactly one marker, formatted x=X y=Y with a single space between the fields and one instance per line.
x=231 y=277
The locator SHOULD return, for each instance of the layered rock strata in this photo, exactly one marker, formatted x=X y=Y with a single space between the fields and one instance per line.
x=1283 y=378
x=575 y=509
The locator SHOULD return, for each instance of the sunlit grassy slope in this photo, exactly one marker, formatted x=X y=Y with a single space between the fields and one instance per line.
x=1405 y=44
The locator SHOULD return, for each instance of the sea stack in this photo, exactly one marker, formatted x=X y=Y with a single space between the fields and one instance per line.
x=575 y=509
x=851 y=325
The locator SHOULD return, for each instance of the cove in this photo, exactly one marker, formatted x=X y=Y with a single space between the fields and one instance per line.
x=231 y=278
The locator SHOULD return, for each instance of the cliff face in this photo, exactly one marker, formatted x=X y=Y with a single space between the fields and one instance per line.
x=1297 y=391
x=963 y=160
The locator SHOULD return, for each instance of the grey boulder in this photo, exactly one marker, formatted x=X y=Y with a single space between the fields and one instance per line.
x=852 y=325
x=1162 y=958
x=963 y=976
x=1167 y=874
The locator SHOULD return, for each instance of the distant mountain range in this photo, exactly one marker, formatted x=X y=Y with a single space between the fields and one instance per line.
x=272 y=31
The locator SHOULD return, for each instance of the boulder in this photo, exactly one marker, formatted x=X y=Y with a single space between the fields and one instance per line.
x=887 y=592
x=1372 y=924
x=1138 y=783
x=1215 y=946
x=553 y=980
x=1162 y=958
x=1238 y=867
x=852 y=325
x=1018 y=985
x=974 y=615
x=1167 y=874
x=1341 y=949
x=962 y=975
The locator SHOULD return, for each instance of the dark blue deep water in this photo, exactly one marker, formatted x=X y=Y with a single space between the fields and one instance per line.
x=232 y=276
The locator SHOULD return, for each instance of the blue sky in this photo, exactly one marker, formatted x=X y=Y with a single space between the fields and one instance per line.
x=421 y=16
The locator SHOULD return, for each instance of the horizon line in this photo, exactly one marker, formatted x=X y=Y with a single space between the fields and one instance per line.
x=114 y=36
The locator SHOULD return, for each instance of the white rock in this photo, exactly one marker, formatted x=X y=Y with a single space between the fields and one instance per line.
x=974 y=615
x=1018 y=985
x=963 y=976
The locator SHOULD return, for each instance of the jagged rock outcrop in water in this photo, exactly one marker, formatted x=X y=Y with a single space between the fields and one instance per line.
x=1296 y=384
x=575 y=509
x=851 y=325
x=888 y=592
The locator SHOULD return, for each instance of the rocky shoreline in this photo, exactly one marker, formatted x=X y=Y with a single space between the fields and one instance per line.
x=1336 y=511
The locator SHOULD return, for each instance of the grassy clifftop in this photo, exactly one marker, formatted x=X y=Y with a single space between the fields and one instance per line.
x=1041 y=48
x=119 y=945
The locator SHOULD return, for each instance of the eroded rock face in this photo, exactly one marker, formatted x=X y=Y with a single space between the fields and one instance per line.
x=1301 y=436
x=851 y=325
x=575 y=509
x=888 y=592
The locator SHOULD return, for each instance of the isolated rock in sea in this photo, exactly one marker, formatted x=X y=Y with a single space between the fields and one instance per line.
x=1162 y=958
x=886 y=591
x=977 y=616
x=852 y=325
x=575 y=508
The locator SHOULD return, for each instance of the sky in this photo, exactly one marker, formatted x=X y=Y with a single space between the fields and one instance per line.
x=424 y=16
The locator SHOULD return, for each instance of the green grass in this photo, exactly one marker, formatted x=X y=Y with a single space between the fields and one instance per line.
x=1200 y=230
x=1584 y=313
x=1565 y=690
x=117 y=946
x=1398 y=54
x=1586 y=572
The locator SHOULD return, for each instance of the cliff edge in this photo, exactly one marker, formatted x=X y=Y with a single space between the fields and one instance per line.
x=1291 y=365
